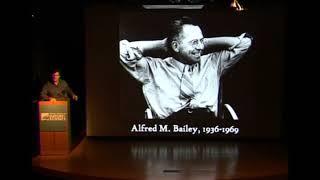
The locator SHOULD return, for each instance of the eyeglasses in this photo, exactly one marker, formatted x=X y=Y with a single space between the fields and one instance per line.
x=196 y=42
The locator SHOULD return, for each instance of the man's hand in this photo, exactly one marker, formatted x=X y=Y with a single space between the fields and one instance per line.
x=75 y=97
x=242 y=35
x=131 y=52
x=247 y=35
x=164 y=44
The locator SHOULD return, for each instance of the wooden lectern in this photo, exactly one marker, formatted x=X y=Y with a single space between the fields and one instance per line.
x=55 y=127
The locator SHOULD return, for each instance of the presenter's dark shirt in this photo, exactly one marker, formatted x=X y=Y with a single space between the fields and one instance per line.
x=60 y=91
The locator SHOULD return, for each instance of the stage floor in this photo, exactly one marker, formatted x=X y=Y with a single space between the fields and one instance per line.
x=106 y=159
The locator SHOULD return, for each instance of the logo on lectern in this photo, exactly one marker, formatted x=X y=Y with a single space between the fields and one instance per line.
x=53 y=117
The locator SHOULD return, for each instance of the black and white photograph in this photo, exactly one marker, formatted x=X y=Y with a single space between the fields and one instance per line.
x=185 y=84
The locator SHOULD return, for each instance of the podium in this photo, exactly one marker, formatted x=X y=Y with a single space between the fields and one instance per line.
x=55 y=127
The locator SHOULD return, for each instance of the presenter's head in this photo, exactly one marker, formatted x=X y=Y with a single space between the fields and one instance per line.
x=55 y=76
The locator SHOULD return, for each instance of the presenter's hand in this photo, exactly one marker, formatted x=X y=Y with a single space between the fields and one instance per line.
x=75 y=97
x=53 y=99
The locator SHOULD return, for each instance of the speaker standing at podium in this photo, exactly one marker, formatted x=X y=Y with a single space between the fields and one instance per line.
x=58 y=132
x=57 y=89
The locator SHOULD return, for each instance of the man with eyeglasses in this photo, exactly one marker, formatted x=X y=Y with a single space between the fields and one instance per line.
x=57 y=89
x=186 y=83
